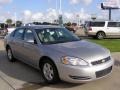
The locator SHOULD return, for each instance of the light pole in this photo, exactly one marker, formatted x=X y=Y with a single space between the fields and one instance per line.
x=56 y=5
x=78 y=19
x=60 y=14
x=60 y=9
x=15 y=15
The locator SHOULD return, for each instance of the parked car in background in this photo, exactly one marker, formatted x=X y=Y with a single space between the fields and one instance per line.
x=3 y=31
x=59 y=54
x=102 y=29
x=71 y=29
x=9 y=30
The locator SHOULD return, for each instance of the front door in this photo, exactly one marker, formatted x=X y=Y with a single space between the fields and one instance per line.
x=30 y=51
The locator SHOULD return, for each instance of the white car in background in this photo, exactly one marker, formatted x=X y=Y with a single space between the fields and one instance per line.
x=102 y=29
x=10 y=30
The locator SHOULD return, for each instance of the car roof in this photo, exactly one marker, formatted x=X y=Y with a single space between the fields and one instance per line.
x=101 y=21
x=41 y=26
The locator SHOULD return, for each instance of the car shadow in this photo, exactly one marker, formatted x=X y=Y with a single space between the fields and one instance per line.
x=85 y=37
x=32 y=77
x=60 y=85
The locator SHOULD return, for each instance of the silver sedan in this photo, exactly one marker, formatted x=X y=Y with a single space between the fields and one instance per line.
x=59 y=54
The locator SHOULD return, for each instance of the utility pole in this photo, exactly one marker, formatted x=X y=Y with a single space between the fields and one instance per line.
x=110 y=13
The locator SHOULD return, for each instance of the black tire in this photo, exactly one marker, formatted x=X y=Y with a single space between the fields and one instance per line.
x=55 y=76
x=100 y=35
x=10 y=55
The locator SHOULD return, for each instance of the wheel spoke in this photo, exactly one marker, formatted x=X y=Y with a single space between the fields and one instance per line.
x=9 y=54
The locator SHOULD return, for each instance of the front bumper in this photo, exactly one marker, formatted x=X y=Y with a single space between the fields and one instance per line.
x=78 y=74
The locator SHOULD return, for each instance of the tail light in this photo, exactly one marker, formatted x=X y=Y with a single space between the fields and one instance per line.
x=90 y=29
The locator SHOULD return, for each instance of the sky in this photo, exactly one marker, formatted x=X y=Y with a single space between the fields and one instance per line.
x=47 y=10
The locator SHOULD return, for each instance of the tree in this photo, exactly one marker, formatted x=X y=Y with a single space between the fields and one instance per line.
x=46 y=23
x=74 y=24
x=93 y=17
x=9 y=22
x=2 y=25
x=68 y=24
x=18 y=23
x=37 y=23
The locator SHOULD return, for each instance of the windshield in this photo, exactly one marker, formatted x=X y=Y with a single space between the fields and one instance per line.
x=55 y=35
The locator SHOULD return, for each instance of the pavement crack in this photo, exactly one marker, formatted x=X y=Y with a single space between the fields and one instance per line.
x=7 y=83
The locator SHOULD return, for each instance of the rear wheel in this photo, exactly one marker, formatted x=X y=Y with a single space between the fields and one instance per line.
x=49 y=72
x=10 y=55
x=100 y=35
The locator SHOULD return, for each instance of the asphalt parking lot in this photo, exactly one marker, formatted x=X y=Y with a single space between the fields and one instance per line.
x=19 y=76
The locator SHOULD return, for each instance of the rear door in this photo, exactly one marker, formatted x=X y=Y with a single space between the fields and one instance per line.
x=113 y=28
x=17 y=43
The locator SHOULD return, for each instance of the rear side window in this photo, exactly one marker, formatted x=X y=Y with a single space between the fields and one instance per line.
x=12 y=34
x=97 y=24
x=19 y=34
x=113 y=24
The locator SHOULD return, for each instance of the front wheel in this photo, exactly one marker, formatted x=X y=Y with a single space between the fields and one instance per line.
x=100 y=35
x=49 y=72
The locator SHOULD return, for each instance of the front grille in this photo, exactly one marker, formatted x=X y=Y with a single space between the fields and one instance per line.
x=101 y=61
x=103 y=72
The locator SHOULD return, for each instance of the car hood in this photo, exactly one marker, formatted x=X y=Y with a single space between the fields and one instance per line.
x=81 y=49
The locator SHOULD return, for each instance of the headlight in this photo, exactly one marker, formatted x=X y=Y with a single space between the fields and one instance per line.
x=74 y=61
